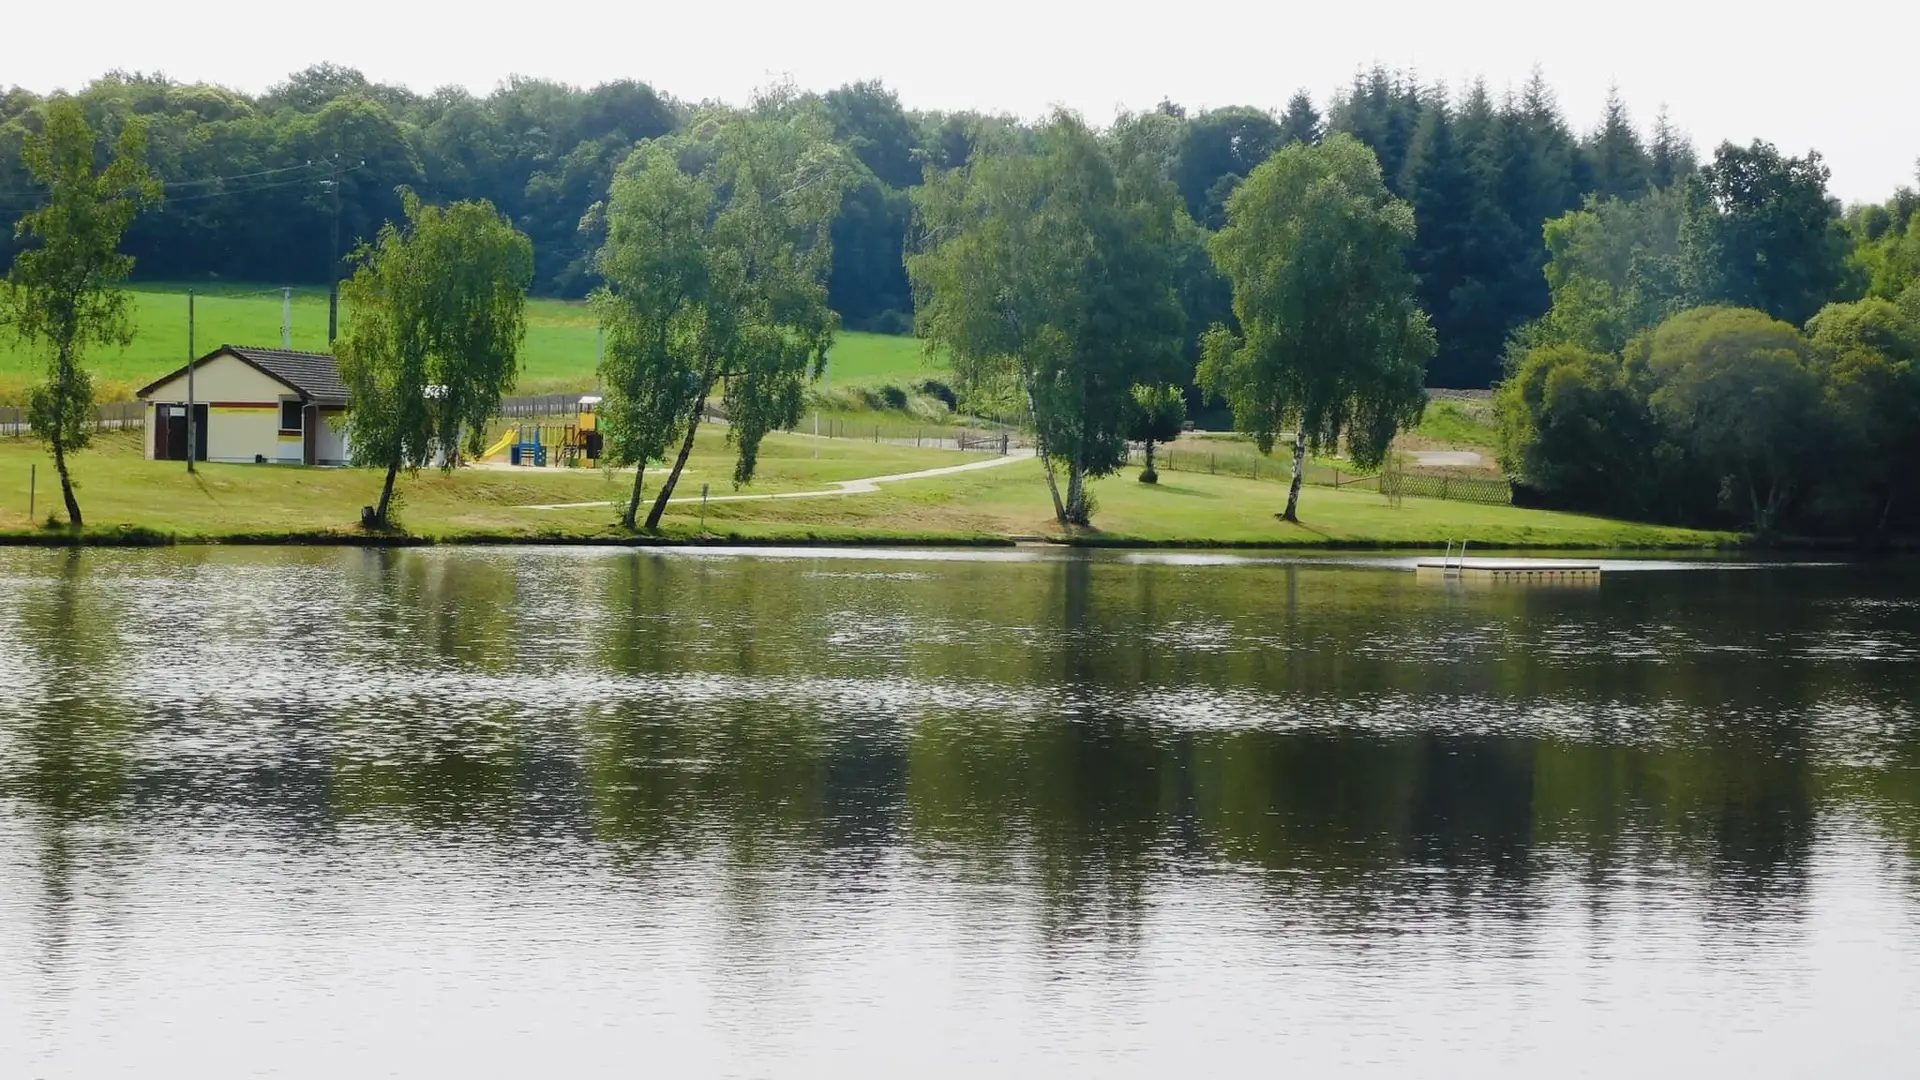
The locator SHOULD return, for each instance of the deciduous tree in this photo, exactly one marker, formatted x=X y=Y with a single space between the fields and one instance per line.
x=1331 y=344
x=1739 y=390
x=1052 y=271
x=1573 y=426
x=716 y=261
x=61 y=295
x=1159 y=414
x=1870 y=357
x=439 y=312
x=1760 y=231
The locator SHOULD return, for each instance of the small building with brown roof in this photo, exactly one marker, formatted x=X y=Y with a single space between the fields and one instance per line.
x=251 y=405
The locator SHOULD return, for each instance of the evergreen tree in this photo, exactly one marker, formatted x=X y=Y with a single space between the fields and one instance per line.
x=1439 y=182
x=1670 y=158
x=1382 y=110
x=1301 y=123
x=1619 y=164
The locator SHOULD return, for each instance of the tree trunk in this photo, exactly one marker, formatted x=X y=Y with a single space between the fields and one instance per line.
x=57 y=438
x=66 y=484
x=673 y=476
x=1148 y=475
x=1077 y=496
x=1046 y=461
x=386 y=493
x=1299 y=476
x=633 y=504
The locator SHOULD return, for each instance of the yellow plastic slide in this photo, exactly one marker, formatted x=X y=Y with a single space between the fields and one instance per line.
x=512 y=436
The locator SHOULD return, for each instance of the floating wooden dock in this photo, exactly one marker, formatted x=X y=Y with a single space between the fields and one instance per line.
x=1545 y=571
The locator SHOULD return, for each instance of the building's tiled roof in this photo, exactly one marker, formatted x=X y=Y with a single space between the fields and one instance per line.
x=315 y=375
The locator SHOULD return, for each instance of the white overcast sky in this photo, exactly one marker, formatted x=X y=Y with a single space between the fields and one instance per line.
x=1836 y=76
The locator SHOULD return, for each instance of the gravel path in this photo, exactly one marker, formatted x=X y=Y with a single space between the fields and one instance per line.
x=863 y=486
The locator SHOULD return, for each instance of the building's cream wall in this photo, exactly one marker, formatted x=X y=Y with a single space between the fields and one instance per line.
x=330 y=448
x=243 y=411
x=152 y=414
x=224 y=378
x=238 y=434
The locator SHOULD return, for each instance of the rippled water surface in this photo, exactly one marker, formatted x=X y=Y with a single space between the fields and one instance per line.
x=328 y=813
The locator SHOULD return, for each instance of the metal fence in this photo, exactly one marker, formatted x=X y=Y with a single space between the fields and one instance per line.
x=110 y=417
x=1428 y=484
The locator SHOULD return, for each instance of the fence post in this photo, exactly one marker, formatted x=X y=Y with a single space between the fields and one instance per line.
x=1446 y=482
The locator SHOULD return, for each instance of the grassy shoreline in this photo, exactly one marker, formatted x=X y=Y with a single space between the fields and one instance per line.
x=130 y=501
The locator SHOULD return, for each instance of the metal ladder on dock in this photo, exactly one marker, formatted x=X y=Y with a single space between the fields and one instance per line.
x=1452 y=565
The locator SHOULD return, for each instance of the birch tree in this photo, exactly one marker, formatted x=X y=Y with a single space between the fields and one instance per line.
x=1053 y=272
x=439 y=313
x=716 y=260
x=1331 y=343
x=62 y=294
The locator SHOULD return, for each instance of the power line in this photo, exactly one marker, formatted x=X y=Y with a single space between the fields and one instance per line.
x=240 y=176
x=207 y=180
x=238 y=191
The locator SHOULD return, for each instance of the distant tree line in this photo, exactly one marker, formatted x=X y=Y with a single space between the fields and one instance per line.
x=1733 y=349
x=1695 y=342
x=250 y=190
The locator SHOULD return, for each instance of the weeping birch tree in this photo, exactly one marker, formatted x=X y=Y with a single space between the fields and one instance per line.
x=1053 y=272
x=439 y=313
x=716 y=260
x=1331 y=342
x=62 y=295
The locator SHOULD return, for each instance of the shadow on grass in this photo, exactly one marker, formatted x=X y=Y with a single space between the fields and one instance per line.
x=1181 y=490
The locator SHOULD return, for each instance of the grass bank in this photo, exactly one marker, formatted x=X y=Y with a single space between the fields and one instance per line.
x=560 y=353
x=130 y=500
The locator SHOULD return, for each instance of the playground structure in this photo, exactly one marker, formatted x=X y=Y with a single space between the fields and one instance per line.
x=564 y=445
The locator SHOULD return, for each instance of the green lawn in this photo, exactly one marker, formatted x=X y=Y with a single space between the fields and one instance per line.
x=1457 y=423
x=120 y=490
x=560 y=354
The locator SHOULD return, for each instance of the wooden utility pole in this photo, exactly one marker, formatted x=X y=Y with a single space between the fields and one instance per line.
x=193 y=442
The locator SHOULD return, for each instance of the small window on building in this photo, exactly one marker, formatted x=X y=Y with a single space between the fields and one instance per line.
x=290 y=414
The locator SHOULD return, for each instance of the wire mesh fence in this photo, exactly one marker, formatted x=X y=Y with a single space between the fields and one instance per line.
x=1244 y=462
x=14 y=421
x=896 y=430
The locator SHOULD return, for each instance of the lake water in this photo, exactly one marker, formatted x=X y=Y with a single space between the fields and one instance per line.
x=328 y=813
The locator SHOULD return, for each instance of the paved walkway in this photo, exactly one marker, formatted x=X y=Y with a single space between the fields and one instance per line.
x=864 y=486
x=1448 y=459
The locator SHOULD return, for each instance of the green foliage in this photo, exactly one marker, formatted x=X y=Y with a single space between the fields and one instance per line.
x=1159 y=415
x=61 y=296
x=1620 y=165
x=1571 y=422
x=1331 y=344
x=1739 y=390
x=1886 y=241
x=1870 y=352
x=439 y=313
x=1217 y=149
x=1613 y=268
x=716 y=259
x=1049 y=272
x=1759 y=231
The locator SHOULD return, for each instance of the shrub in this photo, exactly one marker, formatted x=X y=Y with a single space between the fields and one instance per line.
x=937 y=389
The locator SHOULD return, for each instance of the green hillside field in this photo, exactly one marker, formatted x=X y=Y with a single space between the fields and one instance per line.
x=560 y=353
